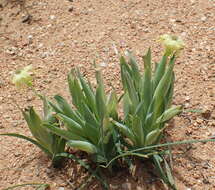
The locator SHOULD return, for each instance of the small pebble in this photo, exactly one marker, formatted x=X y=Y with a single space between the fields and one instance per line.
x=52 y=17
x=204 y=18
x=103 y=64
x=70 y=9
x=30 y=37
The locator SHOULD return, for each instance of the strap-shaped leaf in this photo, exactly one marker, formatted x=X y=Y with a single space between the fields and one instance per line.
x=140 y=110
x=137 y=129
x=36 y=128
x=71 y=79
x=100 y=103
x=67 y=110
x=157 y=160
x=124 y=68
x=55 y=107
x=89 y=116
x=147 y=81
x=160 y=70
x=169 y=174
x=168 y=179
x=83 y=145
x=152 y=137
x=91 y=133
x=89 y=94
x=131 y=90
x=163 y=85
x=135 y=70
x=169 y=96
x=125 y=131
x=127 y=106
x=75 y=90
x=71 y=125
x=58 y=144
x=169 y=113
x=47 y=111
x=161 y=91
x=63 y=133
x=148 y=121
x=100 y=84
x=112 y=104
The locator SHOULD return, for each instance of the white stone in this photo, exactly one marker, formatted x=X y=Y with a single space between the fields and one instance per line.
x=52 y=17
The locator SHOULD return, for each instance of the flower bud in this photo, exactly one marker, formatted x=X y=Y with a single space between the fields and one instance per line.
x=23 y=77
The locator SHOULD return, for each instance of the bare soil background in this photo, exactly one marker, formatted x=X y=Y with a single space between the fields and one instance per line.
x=63 y=34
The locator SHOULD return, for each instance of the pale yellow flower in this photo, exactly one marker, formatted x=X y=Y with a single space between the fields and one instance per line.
x=23 y=77
x=172 y=44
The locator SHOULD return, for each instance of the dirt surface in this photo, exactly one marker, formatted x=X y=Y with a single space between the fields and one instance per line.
x=63 y=34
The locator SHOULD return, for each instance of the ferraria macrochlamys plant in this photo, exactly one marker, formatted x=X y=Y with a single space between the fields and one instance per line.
x=147 y=99
x=87 y=126
x=47 y=141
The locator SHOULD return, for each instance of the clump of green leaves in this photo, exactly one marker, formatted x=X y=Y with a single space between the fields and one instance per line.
x=147 y=105
x=47 y=141
x=92 y=124
x=147 y=99
x=86 y=124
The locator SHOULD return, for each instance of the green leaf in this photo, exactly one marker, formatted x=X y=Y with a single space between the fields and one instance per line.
x=157 y=160
x=71 y=125
x=169 y=174
x=163 y=86
x=169 y=96
x=36 y=128
x=91 y=133
x=147 y=122
x=169 y=113
x=89 y=94
x=100 y=84
x=168 y=179
x=193 y=111
x=137 y=129
x=131 y=90
x=100 y=103
x=152 y=137
x=47 y=111
x=160 y=70
x=127 y=107
x=112 y=104
x=75 y=90
x=67 y=110
x=125 y=131
x=124 y=68
x=89 y=116
x=135 y=71
x=63 y=133
x=58 y=145
x=83 y=145
x=140 y=111
x=147 y=85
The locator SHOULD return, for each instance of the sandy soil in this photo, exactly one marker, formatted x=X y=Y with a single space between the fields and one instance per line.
x=63 y=34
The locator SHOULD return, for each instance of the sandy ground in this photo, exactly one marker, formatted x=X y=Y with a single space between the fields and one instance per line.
x=64 y=34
